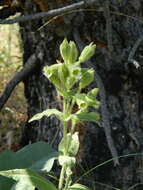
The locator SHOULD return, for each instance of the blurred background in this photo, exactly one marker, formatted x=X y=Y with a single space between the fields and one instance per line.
x=13 y=114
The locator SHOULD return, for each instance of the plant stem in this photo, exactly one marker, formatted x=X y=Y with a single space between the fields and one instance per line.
x=67 y=109
x=74 y=101
x=67 y=182
x=62 y=174
x=65 y=126
x=61 y=180
x=65 y=138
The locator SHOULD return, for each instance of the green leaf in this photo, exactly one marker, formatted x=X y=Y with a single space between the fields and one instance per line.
x=94 y=103
x=6 y=183
x=49 y=70
x=28 y=155
x=25 y=158
x=28 y=178
x=7 y=161
x=87 y=52
x=93 y=93
x=46 y=113
x=91 y=98
x=78 y=186
x=46 y=163
x=87 y=78
x=67 y=160
x=81 y=100
x=22 y=186
x=92 y=116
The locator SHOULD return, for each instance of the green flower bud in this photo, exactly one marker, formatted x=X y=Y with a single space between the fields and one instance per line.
x=87 y=52
x=73 y=52
x=65 y=50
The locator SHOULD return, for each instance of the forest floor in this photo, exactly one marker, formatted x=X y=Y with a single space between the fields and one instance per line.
x=13 y=114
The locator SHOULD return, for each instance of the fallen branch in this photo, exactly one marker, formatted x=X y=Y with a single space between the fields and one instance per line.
x=50 y=13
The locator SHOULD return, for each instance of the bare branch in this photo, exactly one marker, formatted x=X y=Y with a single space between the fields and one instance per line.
x=50 y=13
x=29 y=67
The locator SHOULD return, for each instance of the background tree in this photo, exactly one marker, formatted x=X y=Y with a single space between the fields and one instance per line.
x=116 y=28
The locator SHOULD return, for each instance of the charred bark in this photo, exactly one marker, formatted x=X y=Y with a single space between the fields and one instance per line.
x=114 y=27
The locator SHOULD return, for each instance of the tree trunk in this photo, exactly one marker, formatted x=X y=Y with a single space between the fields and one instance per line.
x=116 y=28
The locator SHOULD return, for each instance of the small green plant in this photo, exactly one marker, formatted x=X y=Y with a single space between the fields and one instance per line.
x=69 y=79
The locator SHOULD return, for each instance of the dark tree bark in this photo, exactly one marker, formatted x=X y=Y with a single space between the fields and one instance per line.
x=116 y=28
